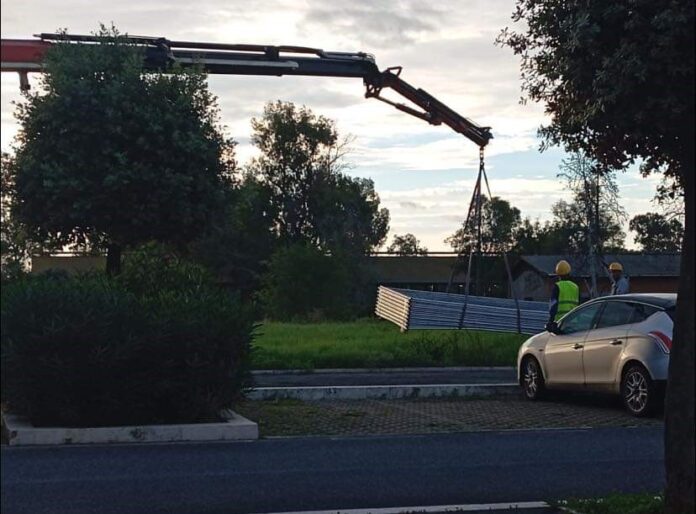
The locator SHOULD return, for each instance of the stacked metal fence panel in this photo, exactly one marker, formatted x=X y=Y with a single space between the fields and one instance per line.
x=411 y=309
x=394 y=306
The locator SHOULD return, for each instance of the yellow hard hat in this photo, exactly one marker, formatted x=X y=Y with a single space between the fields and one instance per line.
x=562 y=268
x=615 y=266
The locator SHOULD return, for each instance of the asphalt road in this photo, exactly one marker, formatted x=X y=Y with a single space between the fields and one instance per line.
x=416 y=376
x=323 y=473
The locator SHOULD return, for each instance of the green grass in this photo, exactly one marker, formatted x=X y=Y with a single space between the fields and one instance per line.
x=378 y=344
x=618 y=504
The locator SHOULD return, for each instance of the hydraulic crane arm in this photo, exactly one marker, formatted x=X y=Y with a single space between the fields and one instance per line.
x=25 y=56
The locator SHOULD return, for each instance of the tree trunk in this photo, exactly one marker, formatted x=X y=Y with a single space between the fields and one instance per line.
x=679 y=408
x=113 y=260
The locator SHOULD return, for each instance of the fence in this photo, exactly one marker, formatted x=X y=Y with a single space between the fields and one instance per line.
x=422 y=310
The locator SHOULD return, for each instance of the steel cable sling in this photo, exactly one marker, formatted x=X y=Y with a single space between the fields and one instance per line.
x=476 y=204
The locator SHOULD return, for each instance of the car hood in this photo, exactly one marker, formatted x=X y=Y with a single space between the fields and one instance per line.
x=538 y=339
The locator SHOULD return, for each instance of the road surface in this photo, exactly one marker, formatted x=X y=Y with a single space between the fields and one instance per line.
x=297 y=474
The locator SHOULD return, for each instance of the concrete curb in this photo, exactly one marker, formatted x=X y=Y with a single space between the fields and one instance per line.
x=380 y=370
x=384 y=392
x=20 y=432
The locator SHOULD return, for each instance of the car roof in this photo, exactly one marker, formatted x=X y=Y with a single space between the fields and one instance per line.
x=662 y=300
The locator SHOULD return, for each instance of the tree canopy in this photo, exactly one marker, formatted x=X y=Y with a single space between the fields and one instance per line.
x=109 y=155
x=302 y=163
x=499 y=221
x=656 y=233
x=617 y=81
x=407 y=244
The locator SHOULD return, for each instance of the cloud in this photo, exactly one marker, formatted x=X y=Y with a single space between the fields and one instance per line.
x=413 y=206
x=377 y=23
x=423 y=173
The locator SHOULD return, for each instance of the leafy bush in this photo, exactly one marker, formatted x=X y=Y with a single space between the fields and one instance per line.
x=304 y=284
x=93 y=351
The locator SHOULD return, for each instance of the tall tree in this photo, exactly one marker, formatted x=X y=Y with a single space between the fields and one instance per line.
x=302 y=161
x=597 y=206
x=499 y=221
x=617 y=81
x=656 y=233
x=240 y=240
x=110 y=155
x=16 y=243
x=407 y=244
x=532 y=238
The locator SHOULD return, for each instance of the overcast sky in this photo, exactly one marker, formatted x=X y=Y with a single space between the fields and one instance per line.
x=424 y=174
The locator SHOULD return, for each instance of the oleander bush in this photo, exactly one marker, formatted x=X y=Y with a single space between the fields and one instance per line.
x=96 y=351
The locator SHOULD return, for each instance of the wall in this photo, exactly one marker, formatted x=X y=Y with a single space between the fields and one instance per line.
x=530 y=285
x=69 y=263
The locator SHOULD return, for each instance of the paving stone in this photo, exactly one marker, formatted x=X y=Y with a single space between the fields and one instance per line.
x=427 y=416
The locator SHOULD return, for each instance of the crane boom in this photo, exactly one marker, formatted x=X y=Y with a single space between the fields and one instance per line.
x=24 y=56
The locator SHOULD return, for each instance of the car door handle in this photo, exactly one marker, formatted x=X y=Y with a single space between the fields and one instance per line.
x=577 y=346
x=616 y=342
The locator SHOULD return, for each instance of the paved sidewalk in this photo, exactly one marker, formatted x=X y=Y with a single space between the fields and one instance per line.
x=375 y=417
x=401 y=376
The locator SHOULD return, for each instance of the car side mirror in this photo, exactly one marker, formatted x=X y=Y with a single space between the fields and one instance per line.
x=553 y=328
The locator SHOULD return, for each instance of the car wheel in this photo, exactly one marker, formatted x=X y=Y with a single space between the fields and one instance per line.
x=638 y=391
x=532 y=379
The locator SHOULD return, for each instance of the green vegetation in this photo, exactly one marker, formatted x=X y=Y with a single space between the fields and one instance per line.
x=375 y=344
x=161 y=343
x=618 y=504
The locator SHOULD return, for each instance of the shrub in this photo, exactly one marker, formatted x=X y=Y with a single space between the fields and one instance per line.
x=88 y=351
x=304 y=284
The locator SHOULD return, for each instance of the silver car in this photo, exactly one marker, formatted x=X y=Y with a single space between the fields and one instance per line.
x=616 y=344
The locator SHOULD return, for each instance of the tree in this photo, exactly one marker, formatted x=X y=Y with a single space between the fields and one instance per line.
x=303 y=283
x=16 y=242
x=670 y=198
x=569 y=230
x=597 y=209
x=617 y=81
x=114 y=157
x=239 y=241
x=301 y=162
x=499 y=221
x=407 y=244
x=656 y=233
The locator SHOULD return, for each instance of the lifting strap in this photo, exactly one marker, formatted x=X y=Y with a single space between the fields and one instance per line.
x=475 y=205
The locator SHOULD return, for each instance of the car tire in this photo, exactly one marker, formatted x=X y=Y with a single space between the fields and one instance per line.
x=532 y=379
x=641 y=396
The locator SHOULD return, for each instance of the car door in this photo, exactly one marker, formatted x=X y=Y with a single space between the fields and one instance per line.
x=563 y=351
x=605 y=342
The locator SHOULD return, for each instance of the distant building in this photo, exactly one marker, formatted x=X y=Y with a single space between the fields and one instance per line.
x=67 y=262
x=429 y=273
x=647 y=273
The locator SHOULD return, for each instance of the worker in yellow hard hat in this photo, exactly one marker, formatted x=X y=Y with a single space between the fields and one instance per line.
x=565 y=295
x=619 y=283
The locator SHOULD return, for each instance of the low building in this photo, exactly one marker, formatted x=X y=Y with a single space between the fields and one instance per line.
x=69 y=263
x=429 y=273
x=647 y=273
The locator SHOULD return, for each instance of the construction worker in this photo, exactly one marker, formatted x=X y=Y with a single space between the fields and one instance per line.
x=619 y=283
x=565 y=295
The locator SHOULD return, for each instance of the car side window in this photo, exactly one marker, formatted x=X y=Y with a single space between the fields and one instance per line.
x=580 y=319
x=641 y=312
x=615 y=314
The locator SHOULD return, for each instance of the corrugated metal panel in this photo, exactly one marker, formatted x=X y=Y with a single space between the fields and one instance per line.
x=420 y=310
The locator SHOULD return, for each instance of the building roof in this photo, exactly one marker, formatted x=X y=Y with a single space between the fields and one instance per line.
x=635 y=264
x=415 y=270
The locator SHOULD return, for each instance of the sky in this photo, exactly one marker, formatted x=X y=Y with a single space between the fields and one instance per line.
x=423 y=174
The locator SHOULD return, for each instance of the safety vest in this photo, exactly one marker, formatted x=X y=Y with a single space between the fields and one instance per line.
x=568 y=297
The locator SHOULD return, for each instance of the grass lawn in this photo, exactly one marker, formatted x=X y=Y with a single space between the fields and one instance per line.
x=374 y=343
x=618 y=504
